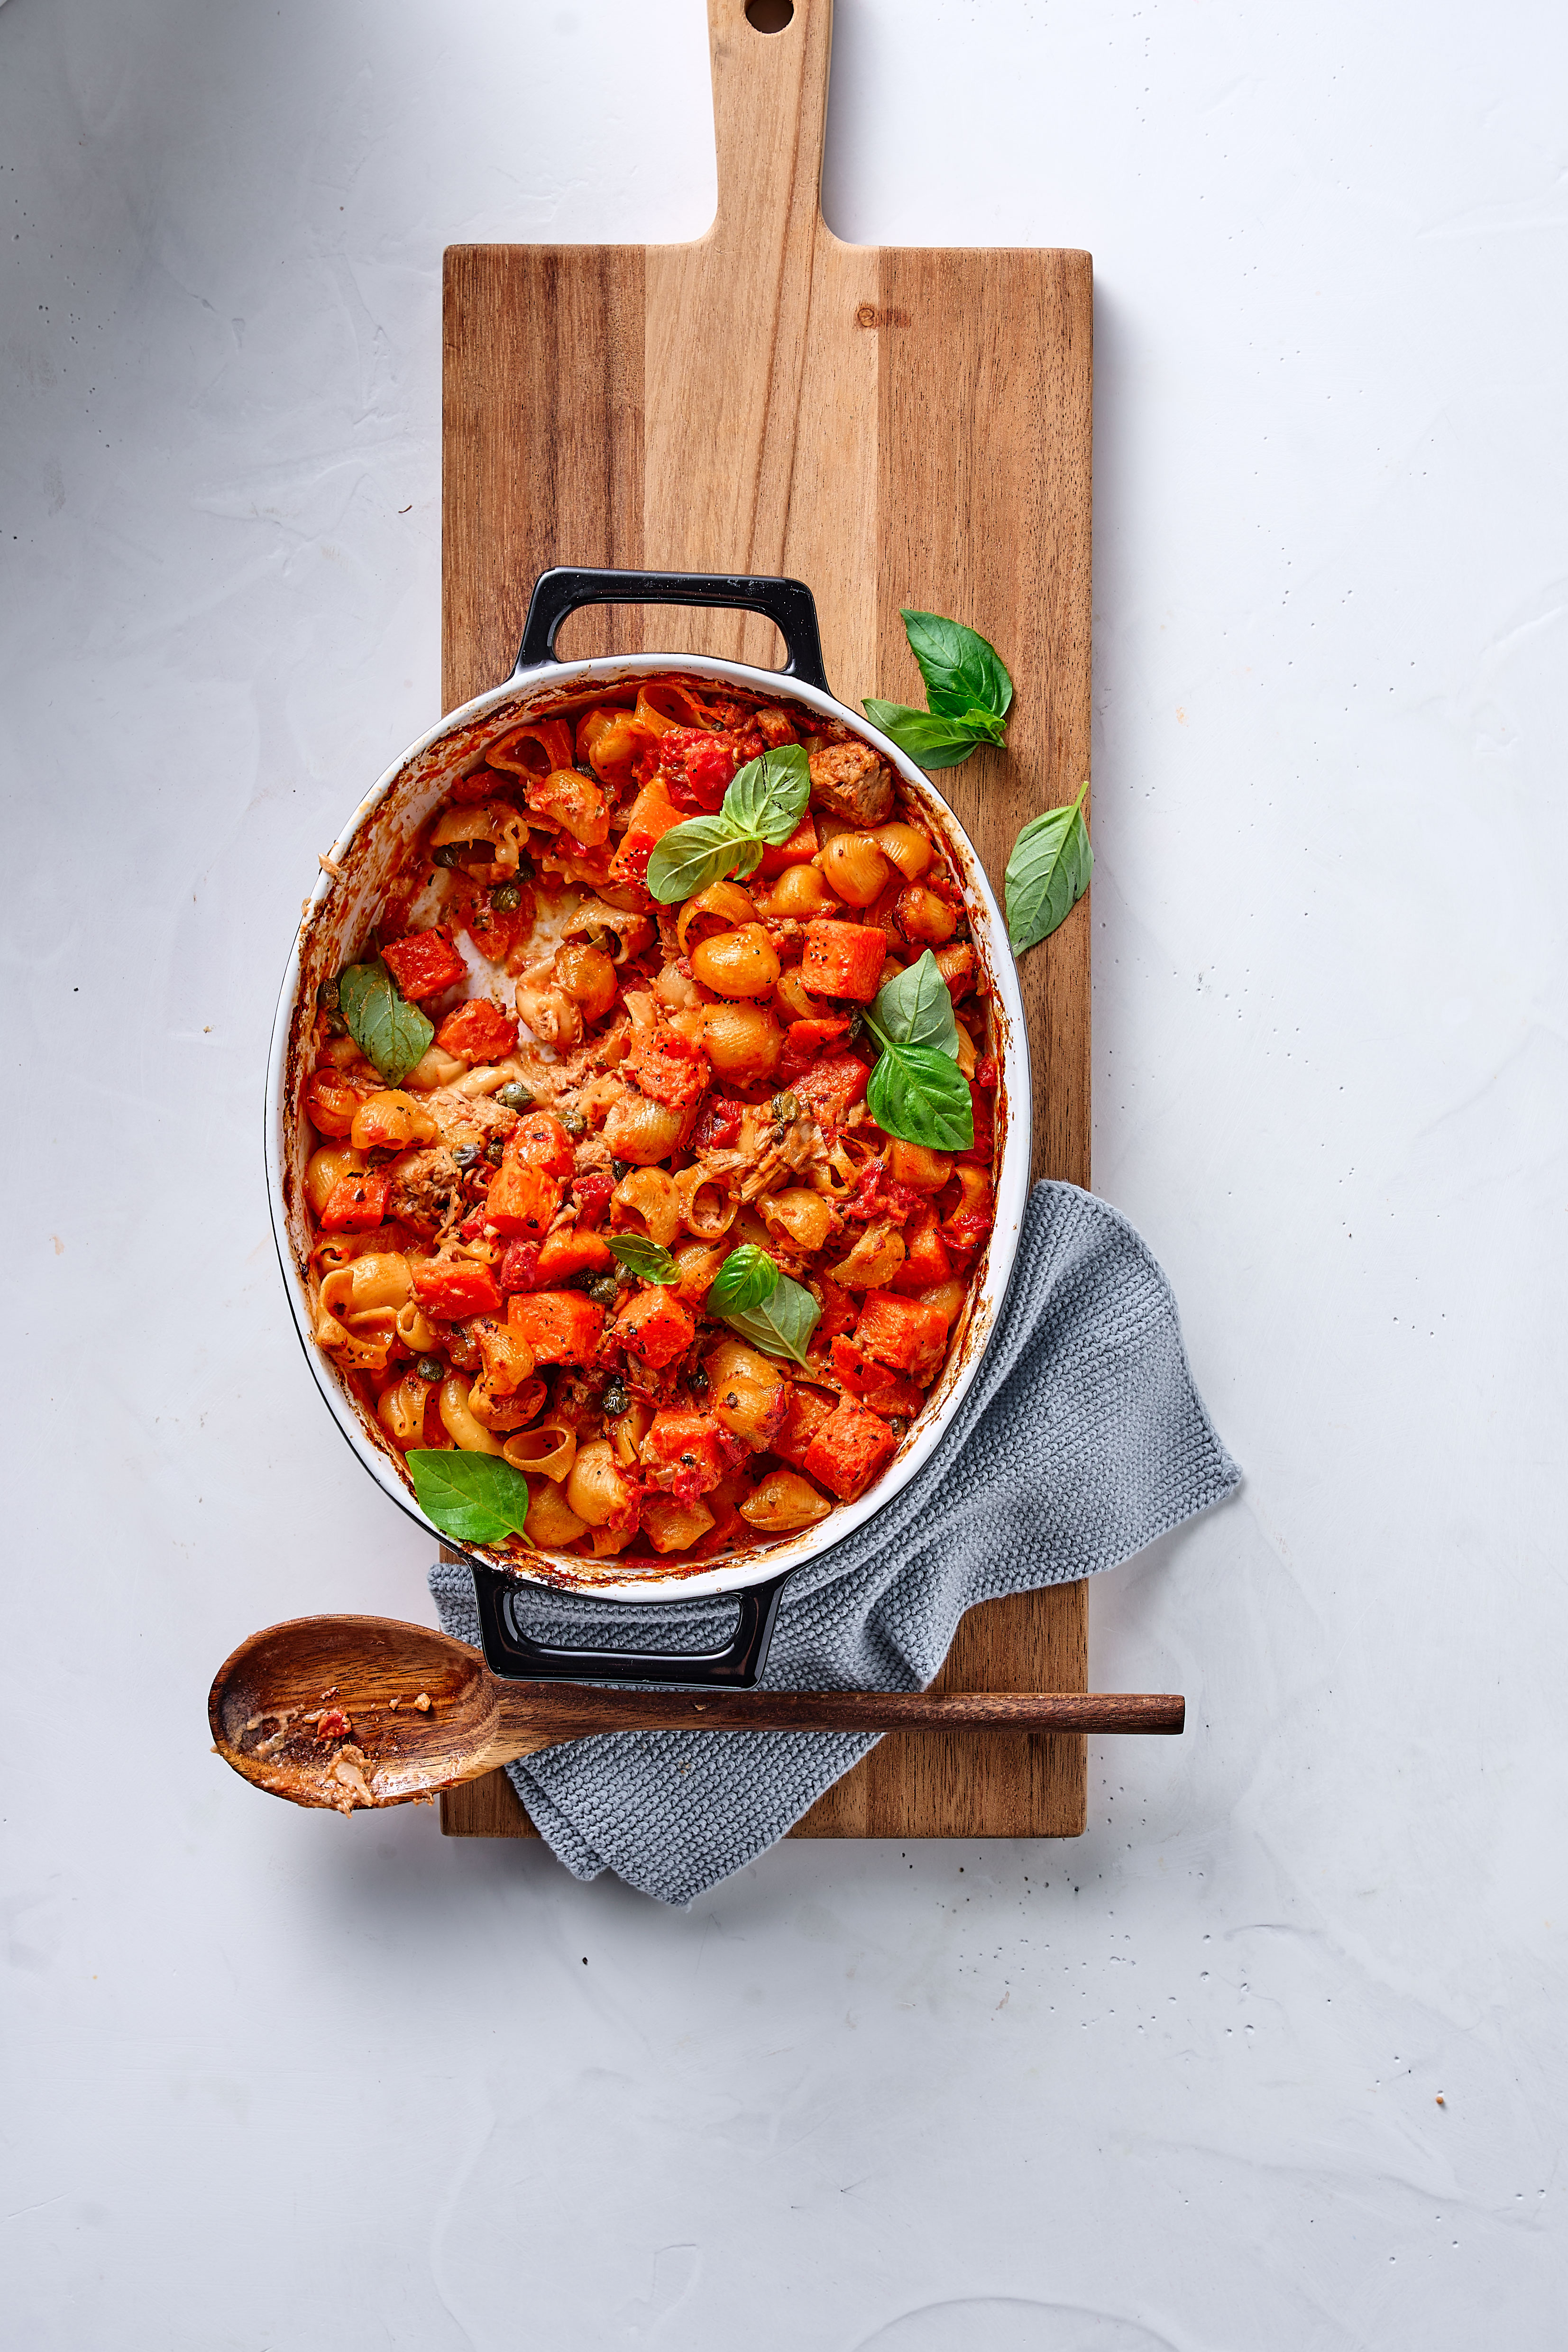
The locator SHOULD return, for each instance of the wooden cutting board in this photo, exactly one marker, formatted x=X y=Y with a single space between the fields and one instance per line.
x=894 y=426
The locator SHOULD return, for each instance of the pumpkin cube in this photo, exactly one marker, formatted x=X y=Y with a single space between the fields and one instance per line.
x=806 y=1411
x=925 y=1256
x=843 y=960
x=573 y=1251
x=798 y=850
x=685 y=1454
x=901 y=1333
x=852 y=1448
x=356 y=1204
x=562 y=1327
x=522 y=1201
x=478 y=1031
x=451 y=1288
x=656 y=1327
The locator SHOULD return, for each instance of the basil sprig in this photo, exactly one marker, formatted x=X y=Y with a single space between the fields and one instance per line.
x=390 y=1033
x=917 y=1091
x=643 y=1258
x=746 y=1277
x=968 y=694
x=475 y=1499
x=751 y=1294
x=765 y=803
x=1048 y=873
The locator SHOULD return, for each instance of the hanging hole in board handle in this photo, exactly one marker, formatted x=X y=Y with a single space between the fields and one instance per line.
x=769 y=15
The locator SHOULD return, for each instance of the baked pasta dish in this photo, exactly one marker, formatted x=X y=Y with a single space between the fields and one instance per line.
x=654 y=1128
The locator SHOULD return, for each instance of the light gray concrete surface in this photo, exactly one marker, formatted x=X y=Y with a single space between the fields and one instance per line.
x=1274 y=2055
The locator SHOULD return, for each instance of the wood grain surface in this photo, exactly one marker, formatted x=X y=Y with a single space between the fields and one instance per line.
x=897 y=427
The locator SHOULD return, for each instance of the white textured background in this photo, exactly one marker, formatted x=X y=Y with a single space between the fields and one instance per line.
x=275 y=2081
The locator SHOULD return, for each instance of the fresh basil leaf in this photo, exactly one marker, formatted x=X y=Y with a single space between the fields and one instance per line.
x=916 y=1008
x=918 y=1095
x=963 y=672
x=747 y=1277
x=475 y=1499
x=768 y=797
x=1048 y=873
x=930 y=741
x=782 y=1325
x=694 y=855
x=390 y=1032
x=643 y=1258
x=765 y=803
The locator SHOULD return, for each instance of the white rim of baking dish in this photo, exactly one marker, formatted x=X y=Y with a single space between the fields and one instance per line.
x=554 y=682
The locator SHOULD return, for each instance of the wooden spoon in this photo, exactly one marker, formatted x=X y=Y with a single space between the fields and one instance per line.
x=346 y=1711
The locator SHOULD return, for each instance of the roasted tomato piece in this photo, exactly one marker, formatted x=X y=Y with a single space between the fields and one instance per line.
x=519 y=1268
x=805 y=1042
x=494 y=930
x=698 y=767
x=832 y=1084
x=592 y=1193
x=719 y=1127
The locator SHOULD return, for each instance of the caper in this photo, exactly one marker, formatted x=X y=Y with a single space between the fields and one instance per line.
x=431 y=1368
x=525 y=870
x=495 y=1151
x=327 y=996
x=507 y=899
x=784 y=1108
x=616 y=1400
x=466 y=1154
x=697 y=1381
x=455 y=852
x=602 y=1289
x=515 y=1097
x=573 y=1122
x=336 y=1025
x=618 y=1169
x=856 y=1025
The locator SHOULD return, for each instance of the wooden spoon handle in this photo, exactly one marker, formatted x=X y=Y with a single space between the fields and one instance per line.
x=555 y=1714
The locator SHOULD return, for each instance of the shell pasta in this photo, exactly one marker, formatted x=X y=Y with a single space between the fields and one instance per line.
x=595 y=1177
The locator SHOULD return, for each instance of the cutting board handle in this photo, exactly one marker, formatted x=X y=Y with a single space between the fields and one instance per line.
x=770 y=107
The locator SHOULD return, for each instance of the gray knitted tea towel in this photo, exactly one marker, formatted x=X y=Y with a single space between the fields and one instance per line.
x=1082 y=1439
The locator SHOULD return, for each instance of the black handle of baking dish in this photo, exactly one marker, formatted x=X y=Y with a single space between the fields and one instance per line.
x=516 y=1656
x=788 y=603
